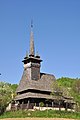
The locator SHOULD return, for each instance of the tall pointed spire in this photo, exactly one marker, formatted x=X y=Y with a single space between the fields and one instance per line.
x=32 y=50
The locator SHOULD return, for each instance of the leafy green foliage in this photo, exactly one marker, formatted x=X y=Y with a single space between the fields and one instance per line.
x=76 y=93
x=71 y=88
x=76 y=86
x=56 y=91
x=7 y=92
x=66 y=82
x=41 y=104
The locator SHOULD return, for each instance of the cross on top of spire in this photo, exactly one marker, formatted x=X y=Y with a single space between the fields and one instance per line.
x=31 y=23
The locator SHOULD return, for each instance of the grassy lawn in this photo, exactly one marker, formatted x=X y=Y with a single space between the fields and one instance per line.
x=41 y=114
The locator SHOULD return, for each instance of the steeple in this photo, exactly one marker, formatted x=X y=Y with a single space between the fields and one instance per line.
x=32 y=49
x=32 y=62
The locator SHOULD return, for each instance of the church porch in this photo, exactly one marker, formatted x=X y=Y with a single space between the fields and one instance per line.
x=37 y=103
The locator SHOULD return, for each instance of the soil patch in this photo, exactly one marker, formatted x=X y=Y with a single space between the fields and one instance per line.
x=36 y=119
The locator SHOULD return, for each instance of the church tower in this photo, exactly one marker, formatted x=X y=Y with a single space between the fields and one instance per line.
x=32 y=61
x=34 y=86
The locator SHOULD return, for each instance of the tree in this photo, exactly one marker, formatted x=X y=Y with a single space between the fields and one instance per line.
x=41 y=104
x=76 y=93
x=71 y=88
x=76 y=86
x=57 y=92
x=6 y=91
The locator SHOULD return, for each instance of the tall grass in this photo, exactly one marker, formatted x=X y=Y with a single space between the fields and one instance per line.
x=44 y=114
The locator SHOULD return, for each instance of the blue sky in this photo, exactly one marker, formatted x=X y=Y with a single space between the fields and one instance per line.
x=56 y=35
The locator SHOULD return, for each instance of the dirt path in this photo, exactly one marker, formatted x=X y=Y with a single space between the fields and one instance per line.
x=36 y=119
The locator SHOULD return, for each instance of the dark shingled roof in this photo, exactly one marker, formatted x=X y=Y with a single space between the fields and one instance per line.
x=32 y=95
x=43 y=84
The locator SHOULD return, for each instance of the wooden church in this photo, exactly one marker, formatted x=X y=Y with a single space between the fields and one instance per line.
x=35 y=87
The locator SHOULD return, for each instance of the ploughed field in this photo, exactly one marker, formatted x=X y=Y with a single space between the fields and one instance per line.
x=37 y=119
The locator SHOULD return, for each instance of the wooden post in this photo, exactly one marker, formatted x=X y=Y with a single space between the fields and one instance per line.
x=47 y=109
x=35 y=105
x=28 y=104
x=52 y=104
x=66 y=106
x=22 y=105
x=59 y=105
x=39 y=106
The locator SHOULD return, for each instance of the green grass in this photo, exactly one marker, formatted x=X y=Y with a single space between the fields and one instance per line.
x=45 y=114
